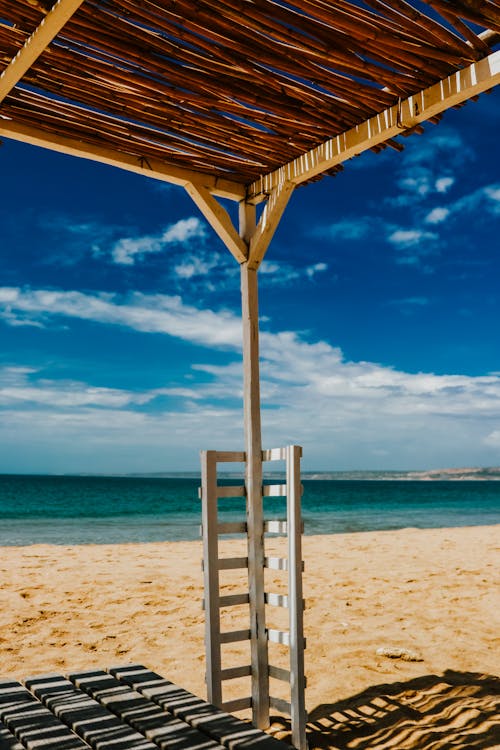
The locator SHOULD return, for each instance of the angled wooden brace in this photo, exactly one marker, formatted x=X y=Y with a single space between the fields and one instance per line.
x=39 y=40
x=219 y=220
x=264 y=232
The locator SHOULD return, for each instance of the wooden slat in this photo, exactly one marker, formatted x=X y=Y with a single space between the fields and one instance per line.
x=232 y=563
x=235 y=636
x=234 y=673
x=238 y=704
x=230 y=456
x=274 y=454
x=281 y=705
x=278 y=636
x=145 y=716
x=278 y=490
x=8 y=740
x=229 y=731
x=234 y=491
x=232 y=527
x=276 y=526
x=277 y=673
x=276 y=563
x=232 y=600
x=274 y=490
x=276 y=600
x=89 y=719
x=33 y=724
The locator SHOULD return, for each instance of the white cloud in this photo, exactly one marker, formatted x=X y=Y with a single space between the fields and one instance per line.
x=147 y=313
x=443 y=184
x=335 y=407
x=18 y=386
x=437 y=215
x=409 y=238
x=316 y=268
x=183 y=232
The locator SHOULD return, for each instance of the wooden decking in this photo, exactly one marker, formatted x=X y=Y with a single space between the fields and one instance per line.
x=123 y=708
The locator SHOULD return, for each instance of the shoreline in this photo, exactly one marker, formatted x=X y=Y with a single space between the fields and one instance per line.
x=431 y=591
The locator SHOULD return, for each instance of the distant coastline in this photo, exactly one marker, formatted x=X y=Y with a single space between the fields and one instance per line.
x=463 y=474
x=438 y=475
x=485 y=474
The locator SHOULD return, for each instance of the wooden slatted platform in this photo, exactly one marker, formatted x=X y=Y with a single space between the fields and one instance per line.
x=125 y=708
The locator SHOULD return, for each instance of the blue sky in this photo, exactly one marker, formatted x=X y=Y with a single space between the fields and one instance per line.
x=120 y=330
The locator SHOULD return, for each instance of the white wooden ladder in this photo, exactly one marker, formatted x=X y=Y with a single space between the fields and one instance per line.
x=291 y=527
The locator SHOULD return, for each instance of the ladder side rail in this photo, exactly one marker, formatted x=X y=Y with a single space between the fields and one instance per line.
x=211 y=577
x=296 y=605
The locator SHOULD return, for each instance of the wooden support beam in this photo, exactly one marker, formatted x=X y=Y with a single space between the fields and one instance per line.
x=269 y=221
x=147 y=167
x=456 y=89
x=219 y=219
x=39 y=40
x=255 y=519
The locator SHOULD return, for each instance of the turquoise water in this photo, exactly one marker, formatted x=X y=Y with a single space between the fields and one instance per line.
x=80 y=510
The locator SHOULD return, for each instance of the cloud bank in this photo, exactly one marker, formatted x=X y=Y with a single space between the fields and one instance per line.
x=311 y=395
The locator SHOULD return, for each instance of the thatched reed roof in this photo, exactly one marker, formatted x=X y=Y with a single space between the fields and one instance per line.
x=232 y=88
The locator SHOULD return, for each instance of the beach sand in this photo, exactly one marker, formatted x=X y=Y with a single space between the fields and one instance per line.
x=432 y=592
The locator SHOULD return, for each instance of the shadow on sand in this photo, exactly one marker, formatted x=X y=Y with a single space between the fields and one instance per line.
x=455 y=710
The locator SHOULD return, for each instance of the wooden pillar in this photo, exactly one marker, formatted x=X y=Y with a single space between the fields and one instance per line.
x=253 y=479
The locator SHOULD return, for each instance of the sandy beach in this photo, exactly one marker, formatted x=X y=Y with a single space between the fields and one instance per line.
x=433 y=593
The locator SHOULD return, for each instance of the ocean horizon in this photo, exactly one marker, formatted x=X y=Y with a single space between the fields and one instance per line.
x=84 y=509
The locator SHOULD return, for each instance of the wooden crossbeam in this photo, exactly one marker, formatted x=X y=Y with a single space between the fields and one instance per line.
x=154 y=168
x=48 y=29
x=455 y=89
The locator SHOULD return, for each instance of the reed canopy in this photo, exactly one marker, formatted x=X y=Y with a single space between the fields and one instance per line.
x=227 y=89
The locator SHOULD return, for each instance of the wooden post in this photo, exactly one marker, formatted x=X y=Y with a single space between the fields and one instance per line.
x=253 y=479
x=295 y=598
x=211 y=577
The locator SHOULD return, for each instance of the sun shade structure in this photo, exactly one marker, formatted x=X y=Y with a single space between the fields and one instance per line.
x=243 y=100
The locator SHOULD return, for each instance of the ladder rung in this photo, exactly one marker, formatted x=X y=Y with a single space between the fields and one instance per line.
x=277 y=490
x=278 y=636
x=279 y=674
x=234 y=636
x=231 y=600
x=234 y=672
x=232 y=491
x=276 y=526
x=276 y=600
x=239 y=704
x=280 y=705
x=274 y=454
x=276 y=563
x=232 y=563
x=274 y=490
x=226 y=457
x=284 y=675
x=232 y=527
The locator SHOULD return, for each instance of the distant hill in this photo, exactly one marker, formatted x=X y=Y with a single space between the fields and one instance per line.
x=463 y=474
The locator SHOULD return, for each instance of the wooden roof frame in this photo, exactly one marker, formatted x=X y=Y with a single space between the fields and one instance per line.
x=276 y=186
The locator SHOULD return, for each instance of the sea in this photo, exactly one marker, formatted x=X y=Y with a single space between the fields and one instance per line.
x=107 y=510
